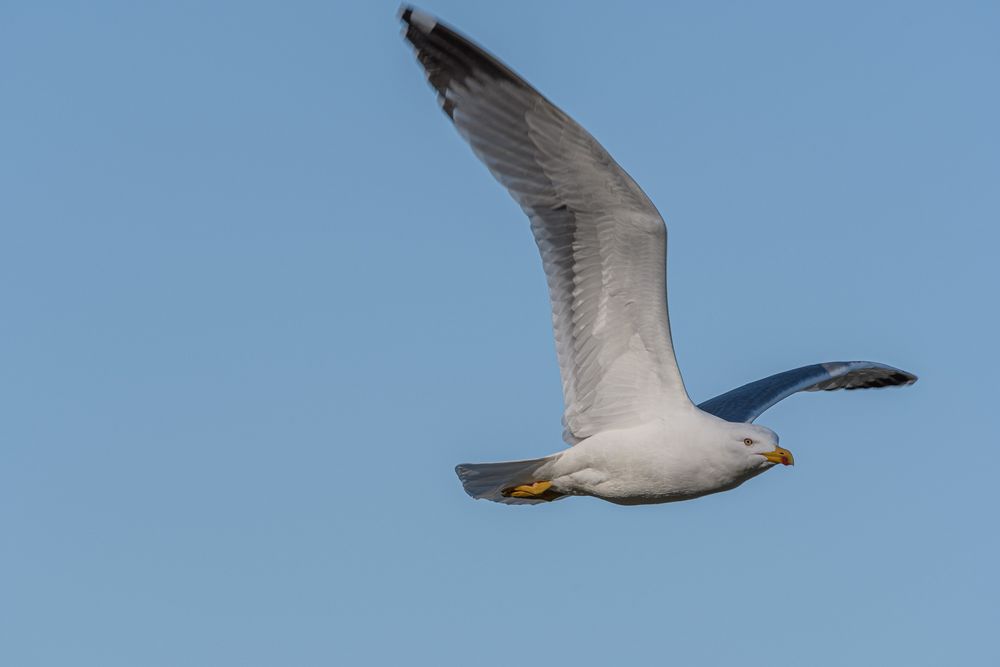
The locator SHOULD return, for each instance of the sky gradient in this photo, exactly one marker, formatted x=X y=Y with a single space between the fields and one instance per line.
x=259 y=299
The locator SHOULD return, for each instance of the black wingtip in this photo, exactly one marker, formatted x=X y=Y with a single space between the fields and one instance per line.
x=899 y=378
x=890 y=377
x=415 y=19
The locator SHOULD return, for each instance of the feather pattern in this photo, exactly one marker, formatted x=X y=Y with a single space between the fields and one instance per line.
x=601 y=240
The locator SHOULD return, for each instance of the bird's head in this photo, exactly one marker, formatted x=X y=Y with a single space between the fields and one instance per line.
x=759 y=445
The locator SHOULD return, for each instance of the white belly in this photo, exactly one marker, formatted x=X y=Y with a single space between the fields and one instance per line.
x=647 y=464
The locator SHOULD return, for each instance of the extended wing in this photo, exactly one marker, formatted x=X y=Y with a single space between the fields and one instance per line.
x=746 y=403
x=602 y=242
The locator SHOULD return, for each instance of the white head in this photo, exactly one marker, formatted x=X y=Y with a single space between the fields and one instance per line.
x=757 y=446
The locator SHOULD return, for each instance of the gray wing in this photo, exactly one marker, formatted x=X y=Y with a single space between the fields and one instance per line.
x=746 y=403
x=602 y=242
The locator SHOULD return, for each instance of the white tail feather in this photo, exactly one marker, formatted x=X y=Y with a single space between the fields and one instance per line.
x=488 y=480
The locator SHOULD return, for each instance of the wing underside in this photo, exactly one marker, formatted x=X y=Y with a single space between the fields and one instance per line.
x=602 y=242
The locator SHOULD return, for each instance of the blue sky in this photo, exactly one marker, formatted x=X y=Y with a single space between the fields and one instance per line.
x=259 y=299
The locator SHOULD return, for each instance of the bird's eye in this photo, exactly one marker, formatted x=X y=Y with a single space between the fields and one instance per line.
x=747 y=441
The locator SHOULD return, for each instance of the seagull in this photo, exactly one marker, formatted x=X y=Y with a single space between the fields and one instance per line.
x=635 y=436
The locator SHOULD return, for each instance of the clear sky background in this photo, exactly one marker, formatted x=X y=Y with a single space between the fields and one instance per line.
x=258 y=299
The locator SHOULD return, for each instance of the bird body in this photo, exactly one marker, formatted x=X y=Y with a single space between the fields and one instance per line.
x=662 y=461
x=635 y=435
x=683 y=455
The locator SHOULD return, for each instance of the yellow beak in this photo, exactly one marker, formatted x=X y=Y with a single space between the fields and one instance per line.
x=780 y=455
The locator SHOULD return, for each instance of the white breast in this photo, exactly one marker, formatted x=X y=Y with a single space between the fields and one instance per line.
x=656 y=462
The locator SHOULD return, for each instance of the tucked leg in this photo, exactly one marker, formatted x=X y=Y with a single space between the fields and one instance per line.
x=537 y=491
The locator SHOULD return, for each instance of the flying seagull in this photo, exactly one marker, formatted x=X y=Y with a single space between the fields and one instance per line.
x=636 y=436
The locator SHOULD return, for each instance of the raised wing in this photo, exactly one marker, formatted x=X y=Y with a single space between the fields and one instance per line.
x=746 y=403
x=602 y=242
